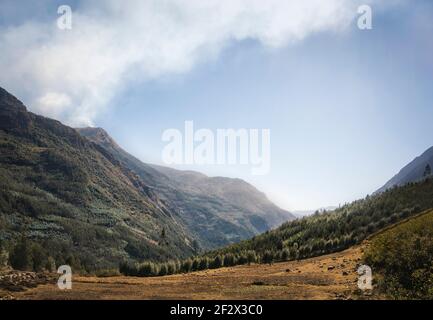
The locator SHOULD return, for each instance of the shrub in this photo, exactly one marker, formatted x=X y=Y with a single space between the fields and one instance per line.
x=216 y=263
x=403 y=257
x=229 y=260
x=268 y=257
x=203 y=264
x=4 y=258
x=186 y=266
x=21 y=255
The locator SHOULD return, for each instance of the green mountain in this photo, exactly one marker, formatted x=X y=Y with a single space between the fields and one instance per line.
x=75 y=199
x=311 y=236
x=217 y=210
x=339 y=229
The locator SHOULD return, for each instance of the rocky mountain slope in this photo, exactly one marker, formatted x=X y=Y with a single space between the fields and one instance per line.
x=217 y=210
x=78 y=198
x=75 y=200
x=413 y=172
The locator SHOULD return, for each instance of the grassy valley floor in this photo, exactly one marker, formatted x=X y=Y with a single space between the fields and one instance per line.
x=327 y=277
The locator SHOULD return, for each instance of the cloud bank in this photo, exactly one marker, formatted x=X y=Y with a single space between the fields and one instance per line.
x=72 y=75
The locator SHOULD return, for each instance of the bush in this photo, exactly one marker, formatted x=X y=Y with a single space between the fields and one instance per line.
x=195 y=264
x=251 y=256
x=171 y=268
x=403 y=257
x=186 y=266
x=268 y=257
x=285 y=255
x=50 y=264
x=163 y=269
x=21 y=255
x=146 y=269
x=229 y=260
x=4 y=258
x=216 y=263
x=203 y=264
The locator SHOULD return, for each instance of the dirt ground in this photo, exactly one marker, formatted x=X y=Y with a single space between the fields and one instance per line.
x=327 y=277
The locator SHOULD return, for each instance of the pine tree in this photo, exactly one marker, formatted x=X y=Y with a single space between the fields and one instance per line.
x=285 y=255
x=163 y=270
x=186 y=266
x=216 y=263
x=21 y=256
x=39 y=257
x=195 y=264
x=251 y=256
x=204 y=263
x=4 y=258
x=268 y=257
x=229 y=260
x=146 y=269
x=171 y=268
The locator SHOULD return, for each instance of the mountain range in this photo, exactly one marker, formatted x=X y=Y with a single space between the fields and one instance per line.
x=217 y=210
x=84 y=199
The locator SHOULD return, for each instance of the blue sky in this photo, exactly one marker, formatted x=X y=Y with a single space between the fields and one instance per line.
x=346 y=109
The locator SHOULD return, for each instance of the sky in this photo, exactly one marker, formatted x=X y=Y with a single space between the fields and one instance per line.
x=346 y=108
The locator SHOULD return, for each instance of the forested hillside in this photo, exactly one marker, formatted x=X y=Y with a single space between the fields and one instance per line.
x=311 y=236
x=401 y=259
x=63 y=199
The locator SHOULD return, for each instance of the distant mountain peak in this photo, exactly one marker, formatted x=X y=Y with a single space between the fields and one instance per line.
x=98 y=135
x=8 y=100
x=415 y=171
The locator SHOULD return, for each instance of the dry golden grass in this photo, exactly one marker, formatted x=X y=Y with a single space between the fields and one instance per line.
x=315 y=278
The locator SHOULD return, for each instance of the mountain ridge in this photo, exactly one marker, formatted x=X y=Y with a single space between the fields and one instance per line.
x=205 y=203
x=73 y=200
x=412 y=172
x=91 y=205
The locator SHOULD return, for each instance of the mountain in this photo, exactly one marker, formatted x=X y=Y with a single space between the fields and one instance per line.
x=413 y=172
x=217 y=210
x=74 y=201
x=76 y=197
x=316 y=235
x=337 y=230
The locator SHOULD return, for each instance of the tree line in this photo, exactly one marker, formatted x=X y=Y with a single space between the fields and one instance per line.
x=321 y=233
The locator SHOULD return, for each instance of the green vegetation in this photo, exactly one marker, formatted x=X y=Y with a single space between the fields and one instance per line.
x=66 y=200
x=337 y=230
x=91 y=202
x=150 y=269
x=403 y=256
x=321 y=233
x=73 y=202
x=4 y=257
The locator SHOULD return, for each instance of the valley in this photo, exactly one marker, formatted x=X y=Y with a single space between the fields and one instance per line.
x=328 y=277
x=132 y=230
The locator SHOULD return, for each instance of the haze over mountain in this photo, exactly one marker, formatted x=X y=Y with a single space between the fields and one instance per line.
x=91 y=204
x=219 y=210
x=413 y=172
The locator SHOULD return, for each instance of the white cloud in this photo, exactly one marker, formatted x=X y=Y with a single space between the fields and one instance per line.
x=72 y=75
x=54 y=103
